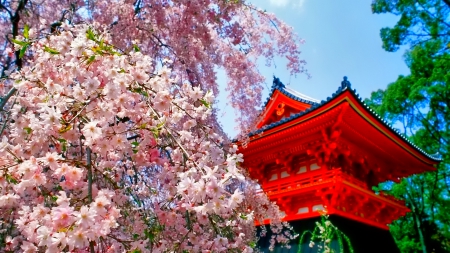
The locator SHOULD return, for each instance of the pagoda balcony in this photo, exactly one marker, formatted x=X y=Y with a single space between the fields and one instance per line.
x=306 y=195
x=303 y=181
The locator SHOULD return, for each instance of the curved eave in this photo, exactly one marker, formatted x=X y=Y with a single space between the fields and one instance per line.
x=278 y=85
x=390 y=131
x=362 y=109
x=277 y=98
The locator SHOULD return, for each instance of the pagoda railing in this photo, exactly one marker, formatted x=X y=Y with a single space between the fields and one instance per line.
x=301 y=181
x=310 y=179
x=363 y=185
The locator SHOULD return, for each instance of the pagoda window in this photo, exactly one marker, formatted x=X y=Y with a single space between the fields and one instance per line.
x=318 y=208
x=308 y=167
x=284 y=174
x=275 y=175
x=314 y=166
x=304 y=209
x=302 y=169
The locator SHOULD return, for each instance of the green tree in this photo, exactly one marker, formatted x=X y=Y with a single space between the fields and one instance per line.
x=420 y=21
x=419 y=104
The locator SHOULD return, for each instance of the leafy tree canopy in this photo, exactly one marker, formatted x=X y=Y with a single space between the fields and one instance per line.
x=420 y=21
x=418 y=104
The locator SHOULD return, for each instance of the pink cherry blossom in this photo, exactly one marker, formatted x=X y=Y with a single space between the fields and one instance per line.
x=91 y=130
x=85 y=217
x=110 y=151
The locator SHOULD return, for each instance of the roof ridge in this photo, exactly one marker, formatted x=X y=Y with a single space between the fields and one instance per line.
x=345 y=85
x=291 y=93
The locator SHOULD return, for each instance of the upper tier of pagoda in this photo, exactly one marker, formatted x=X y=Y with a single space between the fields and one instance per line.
x=340 y=128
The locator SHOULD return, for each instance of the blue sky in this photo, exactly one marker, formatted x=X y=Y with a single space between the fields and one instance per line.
x=342 y=39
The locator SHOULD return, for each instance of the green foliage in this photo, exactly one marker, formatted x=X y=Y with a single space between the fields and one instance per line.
x=23 y=44
x=407 y=236
x=26 y=31
x=323 y=235
x=50 y=50
x=420 y=21
x=419 y=105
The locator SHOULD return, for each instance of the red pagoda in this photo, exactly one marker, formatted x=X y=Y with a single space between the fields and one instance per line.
x=310 y=156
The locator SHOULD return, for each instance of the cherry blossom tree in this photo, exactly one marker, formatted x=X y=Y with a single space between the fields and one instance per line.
x=105 y=152
x=109 y=141
x=198 y=36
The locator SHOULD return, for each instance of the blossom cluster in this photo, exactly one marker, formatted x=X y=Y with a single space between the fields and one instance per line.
x=105 y=151
x=198 y=36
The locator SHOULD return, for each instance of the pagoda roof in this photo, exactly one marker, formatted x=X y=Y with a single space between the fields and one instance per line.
x=293 y=94
x=314 y=106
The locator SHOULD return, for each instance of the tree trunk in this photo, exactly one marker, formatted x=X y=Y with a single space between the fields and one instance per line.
x=417 y=222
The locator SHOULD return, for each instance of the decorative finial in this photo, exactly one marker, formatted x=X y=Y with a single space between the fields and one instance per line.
x=277 y=83
x=345 y=83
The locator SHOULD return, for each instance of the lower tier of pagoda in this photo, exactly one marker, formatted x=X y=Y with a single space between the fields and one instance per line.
x=335 y=192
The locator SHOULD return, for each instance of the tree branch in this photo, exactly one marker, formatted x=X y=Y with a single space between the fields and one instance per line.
x=6 y=9
x=5 y=99
x=447 y=2
x=427 y=124
x=15 y=19
x=89 y=172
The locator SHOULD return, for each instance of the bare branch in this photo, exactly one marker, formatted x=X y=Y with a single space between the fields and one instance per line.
x=6 y=9
x=5 y=99
x=447 y=2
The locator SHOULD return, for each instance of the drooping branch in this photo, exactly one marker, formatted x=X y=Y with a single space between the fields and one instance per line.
x=15 y=19
x=6 y=9
x=447 y=2
x=89 y=172
x=5 y=99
